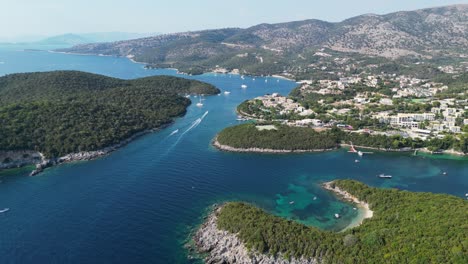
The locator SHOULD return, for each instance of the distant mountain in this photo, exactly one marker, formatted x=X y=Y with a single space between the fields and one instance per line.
x=114 y=36
x=66 y=39
x=75 y=39
x=421 y=33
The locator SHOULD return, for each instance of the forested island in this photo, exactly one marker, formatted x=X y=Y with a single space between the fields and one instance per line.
x=62 y=112
x=407 y=227
x=278 y=138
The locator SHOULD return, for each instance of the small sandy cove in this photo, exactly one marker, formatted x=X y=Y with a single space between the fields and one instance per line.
x=367 y=213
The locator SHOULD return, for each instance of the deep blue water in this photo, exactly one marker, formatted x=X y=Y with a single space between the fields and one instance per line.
x=139 y=204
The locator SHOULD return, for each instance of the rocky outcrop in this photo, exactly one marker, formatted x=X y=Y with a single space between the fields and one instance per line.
x=15 y=159
x=224 y=247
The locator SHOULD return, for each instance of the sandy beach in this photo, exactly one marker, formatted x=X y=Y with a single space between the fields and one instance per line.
x=364 y=211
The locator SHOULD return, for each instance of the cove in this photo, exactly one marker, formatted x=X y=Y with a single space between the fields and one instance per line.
x=139 y=204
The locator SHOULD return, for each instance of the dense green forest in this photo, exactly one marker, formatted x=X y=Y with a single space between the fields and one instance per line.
x=302 y=138
x=281 y=138
x=67 y=111
x=407 y=227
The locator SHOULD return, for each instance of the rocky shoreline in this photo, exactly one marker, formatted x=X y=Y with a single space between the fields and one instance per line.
x=223 y=247
x=18 y=158
x=90 y=155
x=222 y=147
x=227 y=148
x=42 y=163
x=425 y=150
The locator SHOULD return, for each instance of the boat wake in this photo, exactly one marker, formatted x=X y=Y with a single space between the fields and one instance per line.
x=193 y=125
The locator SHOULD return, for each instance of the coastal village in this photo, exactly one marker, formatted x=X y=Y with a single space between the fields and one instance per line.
x=381 y=104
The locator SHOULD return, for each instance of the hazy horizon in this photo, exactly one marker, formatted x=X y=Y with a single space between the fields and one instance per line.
x=66 y=16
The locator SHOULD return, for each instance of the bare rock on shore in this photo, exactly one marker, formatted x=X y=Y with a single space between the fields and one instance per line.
x=15 y=159
x=225 y=248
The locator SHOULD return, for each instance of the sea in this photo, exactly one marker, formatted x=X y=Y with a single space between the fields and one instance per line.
x=142 y=203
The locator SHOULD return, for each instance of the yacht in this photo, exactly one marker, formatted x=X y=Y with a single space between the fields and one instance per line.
x=227 y=92
x=244 y=86
x=383 y=176
x=200 y=104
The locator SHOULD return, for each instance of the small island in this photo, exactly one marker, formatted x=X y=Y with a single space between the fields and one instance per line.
x=52 y=117
x=404 y=227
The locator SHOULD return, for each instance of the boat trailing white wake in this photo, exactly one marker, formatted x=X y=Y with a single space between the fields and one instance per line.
x=174 y=132
x=194 y=124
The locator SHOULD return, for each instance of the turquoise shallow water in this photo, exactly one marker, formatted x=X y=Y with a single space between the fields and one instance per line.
x=139 y=204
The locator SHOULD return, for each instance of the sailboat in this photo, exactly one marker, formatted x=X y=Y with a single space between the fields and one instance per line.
x=199 y=104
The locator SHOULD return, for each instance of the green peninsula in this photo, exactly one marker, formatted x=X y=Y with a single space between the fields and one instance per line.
x=279 y=138
x=274 y=138
x=406 y=227
x=62 y=112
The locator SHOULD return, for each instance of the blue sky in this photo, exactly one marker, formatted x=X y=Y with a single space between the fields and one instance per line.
x=50 y=17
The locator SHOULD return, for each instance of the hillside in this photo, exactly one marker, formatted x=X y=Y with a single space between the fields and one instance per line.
x=62 y=112
x=406 y=227
x=273 y=48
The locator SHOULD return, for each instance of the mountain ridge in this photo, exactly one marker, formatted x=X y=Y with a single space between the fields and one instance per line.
x=422 y=33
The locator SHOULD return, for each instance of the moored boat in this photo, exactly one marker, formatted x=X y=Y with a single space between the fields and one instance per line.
x=383 y=176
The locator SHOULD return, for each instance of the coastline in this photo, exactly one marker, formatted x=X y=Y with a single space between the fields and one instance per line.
x=223 y=247
x=132 y=59
x=282 y=77
x=425 y=150
x=43 y=163
x=227 y=148
x=367 y=213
